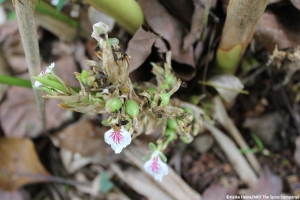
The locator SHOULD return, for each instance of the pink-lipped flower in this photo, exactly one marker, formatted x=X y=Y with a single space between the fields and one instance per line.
x=118 y=138
x=47 y=70
x=156 y=167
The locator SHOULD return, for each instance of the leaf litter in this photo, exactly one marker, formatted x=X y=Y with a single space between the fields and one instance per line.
x=80 y=145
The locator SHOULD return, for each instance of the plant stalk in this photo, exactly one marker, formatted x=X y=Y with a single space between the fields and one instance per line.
x=25 y=16
x=127 y=13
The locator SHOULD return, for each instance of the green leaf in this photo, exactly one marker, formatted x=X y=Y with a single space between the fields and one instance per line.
x=163 y=157
x=258 y=141
x=11 y=15
x=49 y=83
x=60 y=5
x=105 y=184
x=10 y=80
x=152 y=146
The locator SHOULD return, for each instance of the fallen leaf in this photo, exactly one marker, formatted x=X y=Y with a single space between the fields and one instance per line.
x=140 y=46
x=81 y=137
x=296 y=3
x=197 y=26
x=218 y=191
x=141 y=183
x=182 y=10
x=228 y=86
x=20 y=164
x=203 y=143
x=94 y=190
x=7 y=29
x=276 y=27
x=16 y=195
x=268 y=184
x=267 y=127
x=170 y=29
x=19 y=117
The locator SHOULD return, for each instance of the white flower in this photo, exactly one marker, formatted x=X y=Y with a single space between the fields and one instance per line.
x=98 y=29
x=156 y=167
x=117 y=138
x=47 y=70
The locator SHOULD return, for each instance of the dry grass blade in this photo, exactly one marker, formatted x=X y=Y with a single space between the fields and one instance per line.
x=25 y=16
x=240 y=164
x=227 y=123
x=141 y=183
x=172 y=183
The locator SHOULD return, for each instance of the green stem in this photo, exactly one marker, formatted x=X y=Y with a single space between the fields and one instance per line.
x=127 y=13
x=240 y=24
x=10 y=80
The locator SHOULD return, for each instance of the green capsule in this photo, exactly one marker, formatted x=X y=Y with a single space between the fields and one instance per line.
x=114 y=104
x=151 y=91
x=188 y=110
x=171 y=134
x=187 y=139
x=170 y=79
x=165 y=98
x=171 y=124
x=132 y=108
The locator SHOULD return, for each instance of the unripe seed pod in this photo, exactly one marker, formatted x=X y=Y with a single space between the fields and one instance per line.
x=170 y=79
x=132 y=108
x=171 y=124
x=187 y=138
x=171 y=134
x=113 y=104
x=165 y=98
x=188 y=110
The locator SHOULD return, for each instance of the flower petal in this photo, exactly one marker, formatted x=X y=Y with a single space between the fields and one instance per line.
x=52 y=65
x=117 y=139
x=99 y=28
x=156 y=167
x=37 y=84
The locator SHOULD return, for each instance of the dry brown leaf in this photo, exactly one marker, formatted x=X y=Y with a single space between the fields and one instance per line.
x=276 y=27
x=196 y=28
x=172 y=183
x=82 y=137
x=218 y=191
x=297 y=151
x=183 y=10
x=268 y=184
x=20 y=164
x=296 y=3
x=141 y=183
x=16 y=195
x=19 y=117
x=170 y=29
x=140 y=46
x=7 y=29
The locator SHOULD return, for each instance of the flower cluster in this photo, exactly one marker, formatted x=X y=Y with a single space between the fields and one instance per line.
x=133 y=109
